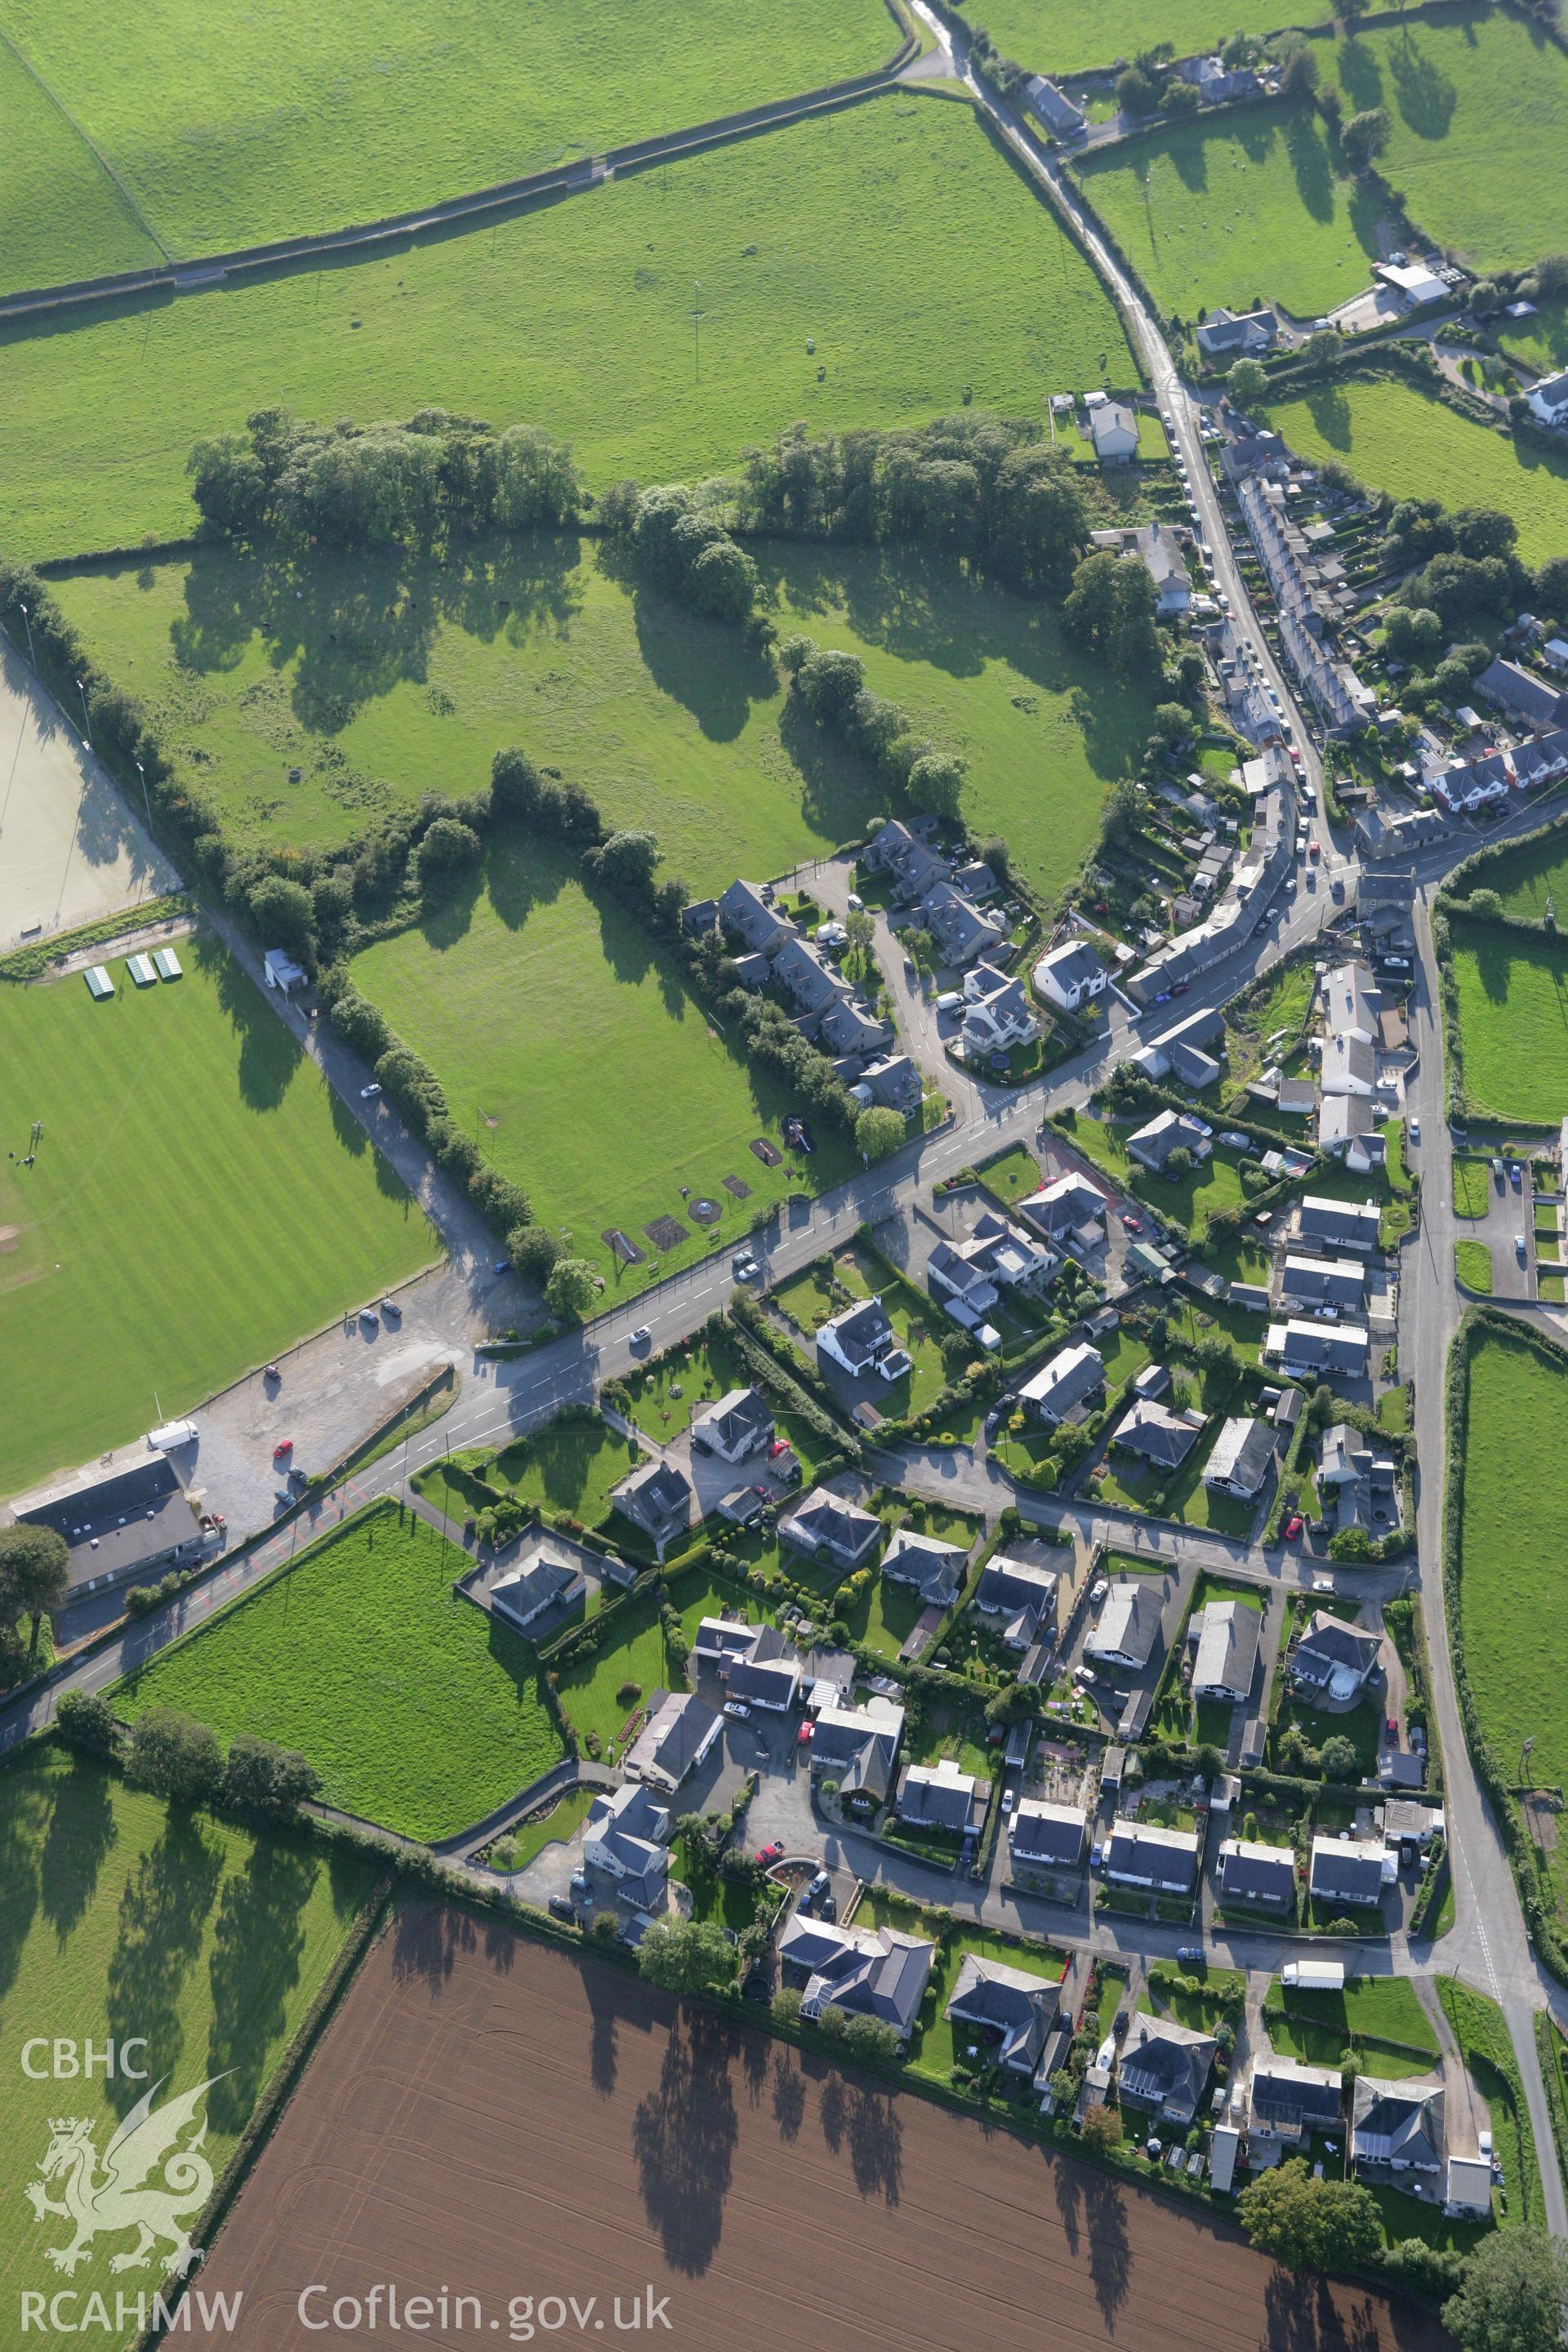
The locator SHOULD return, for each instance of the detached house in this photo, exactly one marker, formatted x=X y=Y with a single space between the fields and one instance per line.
x=1072 y=1375
x=1352 y=1870
x=1165 y=2068
x=1341 y=1225
x=675 y=1741
x=1156 y=548
x=658 y=1498
x=1301 y=1347
x=1156 y=1434
x=1362 y=1479
x=934 y=1570
x=894 y=1081
x=858 y=1748
x=825 y=1526
x=544 y=1583
x=1128 y=1626
x=861 y=1340
x=1334 y=1659
x=1007 y=2006
x=1400 y=2125
x=1140 y=1853
x=1071 y=976
x=1053 y=108
x=866 y=1972
x=1260 y=1875
x=1226 y=1633
x=1324 y=1281
x=1026 y=1597
x=754 y=1663
x=1239 y=1463
x=1113 y=429
x=1524 y=697
x=1289 y=2103
x=1068 y=1207
x=741 y=1423
x=942 y=1796
x=1237 y=334
x=1047 y=1837
x=998 y=1014
x=626 y=1836
x=1168 y=1131
x=959 y=929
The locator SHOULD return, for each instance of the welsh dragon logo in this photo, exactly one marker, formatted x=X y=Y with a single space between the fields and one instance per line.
x=148 y=2182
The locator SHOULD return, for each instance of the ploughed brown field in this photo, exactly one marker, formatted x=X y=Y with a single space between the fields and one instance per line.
x=488 y=2117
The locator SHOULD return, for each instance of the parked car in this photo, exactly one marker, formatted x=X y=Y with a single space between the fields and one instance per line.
x=1391 y=1727
x=1519 y=1247
x=561 y=1906
x=1516 y=1175
x=1498 y=1178
x=1189 y=1953
x=368 y=1094
x=284 y=1447
x=1133 y=1224
x=642 y=1336
x=390 y=1307
x=737 y=1710
x=774 y=1852
x=855 y=903
x=1294 y=1526
x=1180 y=987
x=802 y=1737
x=744 y=1266
x=1415 y=1130
x=818 y=1885
x=1323 y=1583
x=829 y=1909
x=1098 y=1591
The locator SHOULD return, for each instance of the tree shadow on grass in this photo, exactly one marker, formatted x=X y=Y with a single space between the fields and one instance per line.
x=512 y=586
x=1308 y=149
x=163 y=1920
x=1426 y=95
x=1360 y=75
x=259 y=1942
x=26 y=1810
x=269 y=1058
x=1330 y=410
x=80 y=1834
x=708 y=666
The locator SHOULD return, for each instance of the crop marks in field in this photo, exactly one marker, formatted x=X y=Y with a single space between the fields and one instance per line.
x=580 y=316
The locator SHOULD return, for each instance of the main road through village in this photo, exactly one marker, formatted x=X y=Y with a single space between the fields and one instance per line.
x=1488 y=1945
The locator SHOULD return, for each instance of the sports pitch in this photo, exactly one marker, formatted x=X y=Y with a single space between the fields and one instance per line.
x=579 y=316
x=385 y=678
x=198 y=1200
x=123 y=1919
x=570 y=1049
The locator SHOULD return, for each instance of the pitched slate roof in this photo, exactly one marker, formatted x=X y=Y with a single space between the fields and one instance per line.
x=935 y=1569
x=740 y=1416
x=1228 y=1633
x=1165 y=2065
x=1282 y=2092
x=1129 y=1620
x=1052 y=1834
x=1398 y=2123
x=1257 y=1873
x=1347 y=1870
x=1019 y=2007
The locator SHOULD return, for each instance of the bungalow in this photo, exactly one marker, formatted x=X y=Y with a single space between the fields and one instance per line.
x=1168 y=1131
x=745 y=913
x=824 y=1525
x=1362 y=1479
x=1226 y=1633
x=858 y=1748
x=895 y=1082
x=1125 y=1631
x=1059 y=1387
x=1069 y=1204
x=934 y=1570
x=626 y=1836
x=998 y=1014
x=1348 y=1128
x=1005 y=2005
x=861 y=1340
x=1141 y=1854
x=961 y=931
x=1047 y=1837
x=1156 y=1433
x=912 y=869
x=1071 y=976
x=741 y=1423
x=977 y=880
x=675 y=1740
x=1301 y=1347
x=531 y=1592
x=940 y=1796
x=658 y=1498
x=1350 y=1870
x=1343 y=1224
x=1322 y=1281
x=1113 y=429
x=1523 y=695
x=1237 y=334
x=720 y=1640
x=867 y=1972
x=1054 y=108
x=1400 y=2125
x=1260 y=1875
x=1165 y=2068
x=1239 y=1463
x=1026 y=1597
x=1335 y=1660
x=1289 y=2102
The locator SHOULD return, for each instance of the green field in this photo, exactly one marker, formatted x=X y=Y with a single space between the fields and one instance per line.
x=64 y=215
x=1528 y=880
x=1398 y=439
x=123 y=1919
x=1514 y=1573
x=579 y=316
x=567 y=1042
x=1543 y=339
x=1061 y=37
x=230 y=130
x=419 y=1711
x=1253 y=205
x=1477 y=105
x=387 y=679
x=1513 y=1018
x=182 y=1130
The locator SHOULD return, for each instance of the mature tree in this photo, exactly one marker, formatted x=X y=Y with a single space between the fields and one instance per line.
x=1110 y=611
x=723 y=580
x=869 y=2038
x=35 y=1570
x=571 y=1288
x=1323 y=349
x=859 y=929
x=283 y=915
x=268 y=1782
x=936 y=779
x=86 y=1722
x=1246 y=383
x=1339 y=1759
x=229 y=485
x=537 y=487
x=446 y=848
x=1411 y=634
x=687 y=1956
x=1102 y=2127
x=1298 y=74
x=1178 y=1163
x=1179 y=96
x=1515 y=2294
x=534 y=1250
x=1551 y=585
x=828 y=684
x=1137 y=92
x=1173 y=723
x=174 y=1756
x=1479 y=533
x=1121 y=818
x=1365 y=135
x=878 y=1131
x=626 y=863
x=1308 y=2224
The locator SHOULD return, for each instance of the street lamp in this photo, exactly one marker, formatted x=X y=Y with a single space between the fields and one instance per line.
x=145 y=801
x=31 y=655
x=86 y=721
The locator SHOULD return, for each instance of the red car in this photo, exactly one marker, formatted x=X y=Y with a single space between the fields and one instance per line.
x=1391 y=1726
x=802 y=1737
x=779 y=1445
x=774 y=1852
x=1294 y=1526
x=1133 y=1224
x=284 y=1445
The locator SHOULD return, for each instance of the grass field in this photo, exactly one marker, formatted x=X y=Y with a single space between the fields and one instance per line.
x=64 y=215
x=1528 y=880
x=1253 y=205
x=1543 y=339
x=1481 y=2032
x=810 y=233
x=172 y=1118
x=122 y=1918
x=1513 y=1018
x=1398 y=439
x=1477 y=105
x=391 y=678
x=1514 y=1575
x=1057 y=36
x=231 y=130
x=1386 y=2007
x=419 y=1711
x=623 y=1093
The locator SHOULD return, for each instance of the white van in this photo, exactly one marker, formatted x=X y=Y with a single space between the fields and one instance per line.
x=950 y=1001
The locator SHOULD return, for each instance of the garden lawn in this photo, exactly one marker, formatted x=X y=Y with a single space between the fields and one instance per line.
x=1011 y=1176
x=200 y=1199
x=1513 y=1020
x=1212 y=1184
x=518 y=1848
x=932 y=2049
x=1481 y=2032
x=1397 y=438
x=385 y=678
x=570 y=1465
x=1477 y=108
x=1513 y=1568
x=1068 y=37
x=1541 y=341
x=421 y=1712
x=123 y=1918
x=1257 y=204
x=1473 y=1264
x=808 y=232
x=1387 y=2007
x=236 y=129
x=567 y=1042
x=637 y=1652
